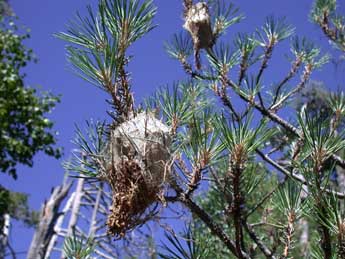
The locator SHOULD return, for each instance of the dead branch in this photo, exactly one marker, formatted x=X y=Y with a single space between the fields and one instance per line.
x=49 y=215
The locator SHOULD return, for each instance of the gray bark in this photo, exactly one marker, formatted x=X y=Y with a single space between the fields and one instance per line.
x=49 y=216
x=57 y=227
x=76 y=206
x=4 y=235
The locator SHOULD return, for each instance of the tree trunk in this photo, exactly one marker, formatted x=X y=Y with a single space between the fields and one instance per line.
x=4 y=235
x=49 y=215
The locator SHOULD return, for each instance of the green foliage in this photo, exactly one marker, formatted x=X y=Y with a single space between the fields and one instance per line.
x=246 y=44
x=78 y=248
x=324 y=13
x=99 y=42
x=321 y=141
x=179 y=104
x=224 y=15
x=287 y=200
x=246 y=167
x=16 y=205
x=222 y=60
x=180 y=46
x=91 y=143
x=200 y=142
x=25 y=128
x=188 y=246
x=94 y=57
x=274 y=30
x=308 y=53
x=337 y=103
x=240 y=139
x=129 y=20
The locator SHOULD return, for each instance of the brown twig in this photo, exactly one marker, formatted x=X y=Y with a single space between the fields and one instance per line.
x=243 y=69
x=264 y=64
x=304 y=79
x=226 y=100
x=295 y=176
x=332 y=32
x=209 y=222
x=326 y=242
x=288 y=234
x=237 y=211
x=264 y=199
x=265 y=112
x=295 y=66
x=216 y=229
x=264 y=249
x=277 y=119
x=194 y=181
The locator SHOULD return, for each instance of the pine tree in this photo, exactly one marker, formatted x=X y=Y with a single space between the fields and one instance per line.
x=257 y=184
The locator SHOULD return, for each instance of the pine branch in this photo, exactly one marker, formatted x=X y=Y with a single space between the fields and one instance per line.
x=264 y=249
x=236 y=210
x=294 y=68
x=213 y=226
x=295 y=176
x=216 y=229
x=304 y=79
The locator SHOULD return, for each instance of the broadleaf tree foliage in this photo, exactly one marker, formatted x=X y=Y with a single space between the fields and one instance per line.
x=258 y=182
x=25 y=128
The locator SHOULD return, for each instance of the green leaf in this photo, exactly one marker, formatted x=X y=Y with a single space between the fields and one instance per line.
x=225 y=15
x=180 y=46
x=287 y=199
x=25 y=128
x=78 y=248
x=89 y=159
x=274 y=30
x=190 y=248
x=241 y=134
x=98 y=43
x=222 y=59
x=128 y=20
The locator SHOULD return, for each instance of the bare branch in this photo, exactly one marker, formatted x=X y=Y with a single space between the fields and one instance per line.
x=213 y=226
x=299 y=87
x=295 y=176
x=295 y=65
x=264 y=249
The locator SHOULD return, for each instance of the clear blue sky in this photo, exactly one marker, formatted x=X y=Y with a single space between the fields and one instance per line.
x=150 y=69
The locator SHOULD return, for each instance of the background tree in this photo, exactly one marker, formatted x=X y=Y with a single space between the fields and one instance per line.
x=257 y=181
x=24 y=127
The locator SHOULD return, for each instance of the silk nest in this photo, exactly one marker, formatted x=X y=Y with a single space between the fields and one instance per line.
x=137 y=159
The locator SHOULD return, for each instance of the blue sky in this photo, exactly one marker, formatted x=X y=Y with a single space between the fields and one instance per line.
x=150 y=69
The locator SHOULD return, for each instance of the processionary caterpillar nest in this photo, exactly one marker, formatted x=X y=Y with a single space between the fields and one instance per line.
x=198 y=23
x=138 y=154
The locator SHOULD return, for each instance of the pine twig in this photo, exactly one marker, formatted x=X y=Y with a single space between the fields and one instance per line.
x=216 y=229
x=264 y=249
x=295 y=66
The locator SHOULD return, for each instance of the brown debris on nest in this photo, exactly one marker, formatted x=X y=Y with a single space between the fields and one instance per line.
x=131 y=198
x=138 y=155
x=198 y=24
